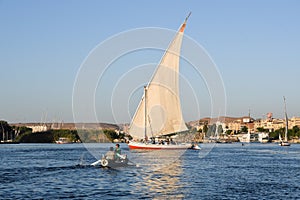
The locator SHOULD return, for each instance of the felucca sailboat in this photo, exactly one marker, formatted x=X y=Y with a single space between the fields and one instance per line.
x=159 y=112
x=285 y=141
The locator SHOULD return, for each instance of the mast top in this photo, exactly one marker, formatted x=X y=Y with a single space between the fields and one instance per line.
x=184 y=23
x=187 y=17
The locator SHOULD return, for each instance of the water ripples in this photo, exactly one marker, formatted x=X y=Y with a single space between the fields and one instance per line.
x=228 y=171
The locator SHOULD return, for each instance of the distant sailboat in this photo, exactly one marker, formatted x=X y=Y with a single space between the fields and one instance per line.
x=159 y=112
x=285 y=141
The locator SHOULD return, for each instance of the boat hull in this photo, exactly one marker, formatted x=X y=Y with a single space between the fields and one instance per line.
x=59 y=142
x=63 y=141
x=146 y=146
x=113 y=164
x=195 y=148
x=9 y=143
x=284 y=144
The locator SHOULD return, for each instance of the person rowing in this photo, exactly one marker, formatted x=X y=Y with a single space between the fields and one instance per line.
x=118 y=154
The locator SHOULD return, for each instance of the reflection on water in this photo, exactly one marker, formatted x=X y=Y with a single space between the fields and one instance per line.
x=162 y=183
x=155 y=160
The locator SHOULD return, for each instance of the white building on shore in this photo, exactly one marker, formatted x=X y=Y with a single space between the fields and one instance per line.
x=38 y=128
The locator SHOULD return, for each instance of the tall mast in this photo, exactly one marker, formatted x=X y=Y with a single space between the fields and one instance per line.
x=187 y=17
x=2 y=132
x=286 y=120
x=145 y=94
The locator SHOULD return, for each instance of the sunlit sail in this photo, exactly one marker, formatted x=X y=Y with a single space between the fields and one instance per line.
x=159 y=112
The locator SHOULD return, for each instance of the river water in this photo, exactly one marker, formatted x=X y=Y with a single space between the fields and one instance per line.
x=223 y=171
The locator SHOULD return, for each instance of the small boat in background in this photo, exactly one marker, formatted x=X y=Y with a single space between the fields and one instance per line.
x=285 y=141
x=195 y=147
x=63 y=140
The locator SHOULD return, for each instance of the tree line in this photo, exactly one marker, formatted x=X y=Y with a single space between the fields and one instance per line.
x=24 y=134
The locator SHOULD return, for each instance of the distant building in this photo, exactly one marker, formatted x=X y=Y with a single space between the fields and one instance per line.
x=275 y=124
x=294 y=121
x=38 y=128
x=236 y=124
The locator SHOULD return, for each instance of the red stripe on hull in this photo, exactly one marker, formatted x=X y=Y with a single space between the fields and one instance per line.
x=156 y=147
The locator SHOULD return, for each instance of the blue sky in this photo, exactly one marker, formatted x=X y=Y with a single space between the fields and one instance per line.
x=255 y=45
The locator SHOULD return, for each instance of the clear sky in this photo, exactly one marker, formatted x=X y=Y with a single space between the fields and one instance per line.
x=255 y=45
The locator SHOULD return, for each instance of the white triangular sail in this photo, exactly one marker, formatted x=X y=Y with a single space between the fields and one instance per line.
x=280 y=139
x=162 y=114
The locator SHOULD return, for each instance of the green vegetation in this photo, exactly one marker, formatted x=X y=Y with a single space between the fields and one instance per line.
x=261 y=129
x=70 y=134
x=205 y=128
x=6 y=131
x=244 y=129
x=220 y=129
x=295 y=132
x=106 y=135
x=24 y=134
x=88 y=136
x=211 y=130
x=111 y=134
x=39 y=137
x=92 y=136
x=49 y=136
x=292 y=133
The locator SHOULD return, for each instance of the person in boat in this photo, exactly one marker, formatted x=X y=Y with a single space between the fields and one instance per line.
x=117 y=152
x=161 y=142
x=172 y=142
x=153 y=140
x=110 y=155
